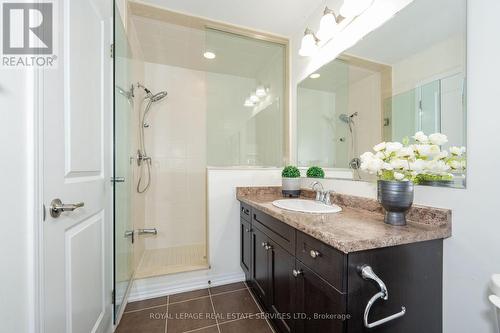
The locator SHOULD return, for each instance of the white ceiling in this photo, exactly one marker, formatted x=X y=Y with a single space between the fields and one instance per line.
x=418 y=26
x=176 y=45
x=273 y=16
x=335 y=75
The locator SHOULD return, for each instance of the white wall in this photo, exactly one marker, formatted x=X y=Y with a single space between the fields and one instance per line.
x=472 y=254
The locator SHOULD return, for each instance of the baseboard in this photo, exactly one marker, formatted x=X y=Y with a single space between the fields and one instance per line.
x=173 y=284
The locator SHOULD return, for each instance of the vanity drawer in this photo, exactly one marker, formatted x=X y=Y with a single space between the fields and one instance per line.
x=323 y=259
x=246 y=212
x=278 y=231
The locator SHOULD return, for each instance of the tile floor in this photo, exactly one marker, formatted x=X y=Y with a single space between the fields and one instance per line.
x=223 y=309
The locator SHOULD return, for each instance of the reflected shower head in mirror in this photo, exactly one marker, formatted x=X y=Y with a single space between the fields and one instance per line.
x=347 y=118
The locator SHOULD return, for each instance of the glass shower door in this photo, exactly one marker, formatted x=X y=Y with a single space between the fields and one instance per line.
x=122 y=168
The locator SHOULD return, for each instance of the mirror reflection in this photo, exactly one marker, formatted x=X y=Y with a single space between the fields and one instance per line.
x=407 y=76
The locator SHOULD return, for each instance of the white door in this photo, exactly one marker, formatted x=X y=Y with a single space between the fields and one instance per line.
x=76 y=278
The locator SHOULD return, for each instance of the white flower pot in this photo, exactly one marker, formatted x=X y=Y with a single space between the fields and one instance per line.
x=290 y=187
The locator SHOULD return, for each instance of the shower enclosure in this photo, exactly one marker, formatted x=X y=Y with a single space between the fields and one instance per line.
x=224 y=108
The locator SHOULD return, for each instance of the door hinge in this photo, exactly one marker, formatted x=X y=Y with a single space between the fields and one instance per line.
x=112 y=50
x=113 y=297
x=44 y=212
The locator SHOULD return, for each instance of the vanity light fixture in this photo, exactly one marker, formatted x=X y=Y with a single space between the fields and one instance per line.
x=209 y=55
x=328 y=25
x=260 y=92
x=309 y=44
x=352 y=8
x=314 y=75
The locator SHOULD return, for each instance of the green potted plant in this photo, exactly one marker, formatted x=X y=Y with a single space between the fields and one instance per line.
x=315 y=172
x=290 y=181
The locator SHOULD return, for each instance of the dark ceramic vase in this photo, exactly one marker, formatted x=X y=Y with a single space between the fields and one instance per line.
x=396 y=198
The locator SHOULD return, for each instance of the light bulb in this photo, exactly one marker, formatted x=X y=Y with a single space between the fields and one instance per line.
x=261 y=91
x=327 y=26
x=315 y=75
x=308 y=45
x=209 y=55
x=353 y=8
x=254 y=99
x=248 y=103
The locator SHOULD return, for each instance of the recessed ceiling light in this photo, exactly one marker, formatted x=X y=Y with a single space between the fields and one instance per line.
x=315 y=75
x=209 y=55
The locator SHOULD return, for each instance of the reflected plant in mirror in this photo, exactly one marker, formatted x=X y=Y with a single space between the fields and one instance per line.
x=420 y=162
x=402 y=78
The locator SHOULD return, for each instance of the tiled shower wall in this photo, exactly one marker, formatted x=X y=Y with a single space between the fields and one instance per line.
x=176 y=201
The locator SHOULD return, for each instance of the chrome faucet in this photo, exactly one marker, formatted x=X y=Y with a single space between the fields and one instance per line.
x=321 y=195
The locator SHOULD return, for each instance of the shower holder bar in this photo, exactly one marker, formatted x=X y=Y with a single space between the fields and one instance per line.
x=367 y=273
x=147 y=231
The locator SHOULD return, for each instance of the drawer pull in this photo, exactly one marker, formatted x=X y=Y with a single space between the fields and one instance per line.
x=368 y=274
x=264 y=244
x=314 y=254
x=297 y=272
x=245 y=210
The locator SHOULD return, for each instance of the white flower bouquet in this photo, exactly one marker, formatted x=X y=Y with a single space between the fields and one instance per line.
x=423 y=160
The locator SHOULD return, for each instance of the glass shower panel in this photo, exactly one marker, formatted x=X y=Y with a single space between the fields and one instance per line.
x=245 y=101
x=430 y=108
x=122 y=169
x=404 y=115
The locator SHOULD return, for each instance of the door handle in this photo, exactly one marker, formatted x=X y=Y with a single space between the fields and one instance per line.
x=118 y=179
x=57 y=207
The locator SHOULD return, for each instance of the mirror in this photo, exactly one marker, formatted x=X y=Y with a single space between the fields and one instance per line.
x=407 y=76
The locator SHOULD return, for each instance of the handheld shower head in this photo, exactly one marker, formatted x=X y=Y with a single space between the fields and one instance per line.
x=158 y=96
x=347 y=118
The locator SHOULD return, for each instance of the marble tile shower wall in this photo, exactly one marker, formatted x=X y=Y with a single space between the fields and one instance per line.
x=175 y=202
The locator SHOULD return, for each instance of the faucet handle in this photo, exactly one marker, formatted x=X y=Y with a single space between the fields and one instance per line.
x=326 y=197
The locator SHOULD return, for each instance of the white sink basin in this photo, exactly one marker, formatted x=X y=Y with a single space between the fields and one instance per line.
x=306 y=206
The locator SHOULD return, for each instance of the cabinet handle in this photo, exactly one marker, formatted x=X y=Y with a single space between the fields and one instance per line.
x=269 y=247
x=368 y=274
x=297 y=272
x=248 y=230
x=245 y=210
x=264 y=244
x=314 y=254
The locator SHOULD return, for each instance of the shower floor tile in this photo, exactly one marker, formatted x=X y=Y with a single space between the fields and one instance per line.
x=198 y=311
x=171 y=260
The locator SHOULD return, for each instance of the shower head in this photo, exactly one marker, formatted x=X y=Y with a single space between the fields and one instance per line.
x=158 y=96
x=347 y=118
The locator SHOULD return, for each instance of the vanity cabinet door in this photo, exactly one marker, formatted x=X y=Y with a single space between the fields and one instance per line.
x=260 y=265
x=245 y=247
x=282 y=287
x=319 y=302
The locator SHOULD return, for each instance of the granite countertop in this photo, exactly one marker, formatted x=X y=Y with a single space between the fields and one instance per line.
x=359 y=226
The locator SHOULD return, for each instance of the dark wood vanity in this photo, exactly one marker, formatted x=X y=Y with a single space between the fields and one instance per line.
x=308 y=286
